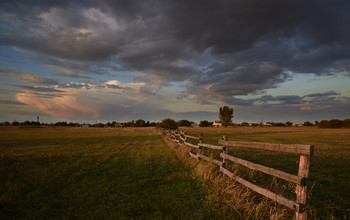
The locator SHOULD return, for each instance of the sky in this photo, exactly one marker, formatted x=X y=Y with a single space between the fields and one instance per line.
x=121 y=60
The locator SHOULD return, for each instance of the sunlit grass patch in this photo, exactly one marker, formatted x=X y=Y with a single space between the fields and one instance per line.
x=95 y=173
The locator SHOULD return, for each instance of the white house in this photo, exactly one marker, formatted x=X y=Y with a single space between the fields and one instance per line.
x=217 y=123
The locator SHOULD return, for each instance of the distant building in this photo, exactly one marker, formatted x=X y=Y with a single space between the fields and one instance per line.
x=267 y=124
x=297 y=124
x=217 y=124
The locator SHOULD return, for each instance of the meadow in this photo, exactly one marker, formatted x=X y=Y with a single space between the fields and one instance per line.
x=132 y=173
x=329 y=182
x=65 y=173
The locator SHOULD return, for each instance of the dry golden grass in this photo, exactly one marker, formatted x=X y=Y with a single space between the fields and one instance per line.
x=230 y=198
x=329 y=182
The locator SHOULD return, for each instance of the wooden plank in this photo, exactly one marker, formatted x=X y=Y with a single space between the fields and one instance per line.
x=271 y=195
x=177 y=141
x=277 y=173
x=226 y=172
x=191 y=145
x=287 y=148
x=214 y=161
x=181 y=138
x=193 y=137
x=193 y=155
x=215 y=147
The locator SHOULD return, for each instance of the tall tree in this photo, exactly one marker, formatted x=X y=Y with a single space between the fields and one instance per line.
x=226 y=115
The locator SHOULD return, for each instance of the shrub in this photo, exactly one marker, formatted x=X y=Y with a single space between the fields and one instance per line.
x=323 y=124
x=185 y=123
x=307 y=123
x=168 y=123
x=335 y=123
x=205 y=123
x=346 y=123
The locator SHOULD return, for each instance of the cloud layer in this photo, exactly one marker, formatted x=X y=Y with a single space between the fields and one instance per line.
x=220 y=49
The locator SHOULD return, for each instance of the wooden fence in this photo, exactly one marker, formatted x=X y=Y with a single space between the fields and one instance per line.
x=305 y=152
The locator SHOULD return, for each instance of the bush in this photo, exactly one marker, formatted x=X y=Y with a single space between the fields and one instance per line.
x=323 y=124
x=140 y=123
x=168 y=123
x=335 y=123
x=307 y=123
x=185 y=123
x=346 y=123
x=205 y=123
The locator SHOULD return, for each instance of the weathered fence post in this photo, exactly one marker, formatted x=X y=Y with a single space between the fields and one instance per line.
x=301 y=191
x=200 y=141
x=185 y=138
x=224 y=151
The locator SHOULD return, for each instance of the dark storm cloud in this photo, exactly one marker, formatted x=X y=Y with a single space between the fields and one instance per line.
x=221 y=48
x=329 y=93
x=39 y=89
x=10 y=102
x=326 y=98
x=31 y=78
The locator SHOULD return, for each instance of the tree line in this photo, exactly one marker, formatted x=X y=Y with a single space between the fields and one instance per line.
x=225 y=115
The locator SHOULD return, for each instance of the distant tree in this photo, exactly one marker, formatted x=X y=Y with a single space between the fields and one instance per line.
x=98 y=125
x=225 y=114
x=26 y=123
x=244 y=124
x=153 y=124
x=346 y=123
x=6 y=123
x=205 y=123
x=335 y=123
x=168 y=123
x=278 y=124
x=129 y=124
x=288 y=123
x=316 y=123
x=183 y=122
x=323 y=124
x=307 y=123
x=61 y=123
x=140 y=123
x=15 y=123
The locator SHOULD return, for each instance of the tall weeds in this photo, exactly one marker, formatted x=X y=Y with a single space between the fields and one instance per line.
x=228 y=197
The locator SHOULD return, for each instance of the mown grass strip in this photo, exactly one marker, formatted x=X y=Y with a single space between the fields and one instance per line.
x=119 y=174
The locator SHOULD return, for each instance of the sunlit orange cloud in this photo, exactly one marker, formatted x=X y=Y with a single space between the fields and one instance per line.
x=304 y=107
x=62 y=107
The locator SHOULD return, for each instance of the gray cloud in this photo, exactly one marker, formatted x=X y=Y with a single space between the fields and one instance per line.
x=221 y=48
x=9 y=102
x=30 y=78
x=326 y=98
x=39 y=89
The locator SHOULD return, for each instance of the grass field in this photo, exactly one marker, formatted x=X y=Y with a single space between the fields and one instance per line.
x=329 y=183
x=119 y=173
x=95 y=174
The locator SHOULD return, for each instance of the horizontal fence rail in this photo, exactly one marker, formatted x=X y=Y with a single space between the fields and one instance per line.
x=305 y=152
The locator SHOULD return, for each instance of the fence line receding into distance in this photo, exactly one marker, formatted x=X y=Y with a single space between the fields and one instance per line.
x=305 y=152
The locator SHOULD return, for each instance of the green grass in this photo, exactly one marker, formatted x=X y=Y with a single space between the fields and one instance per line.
x=95 y=174
x=329 y=182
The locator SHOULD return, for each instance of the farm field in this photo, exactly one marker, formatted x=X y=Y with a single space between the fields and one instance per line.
x=57 y=173
x=329 y=182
